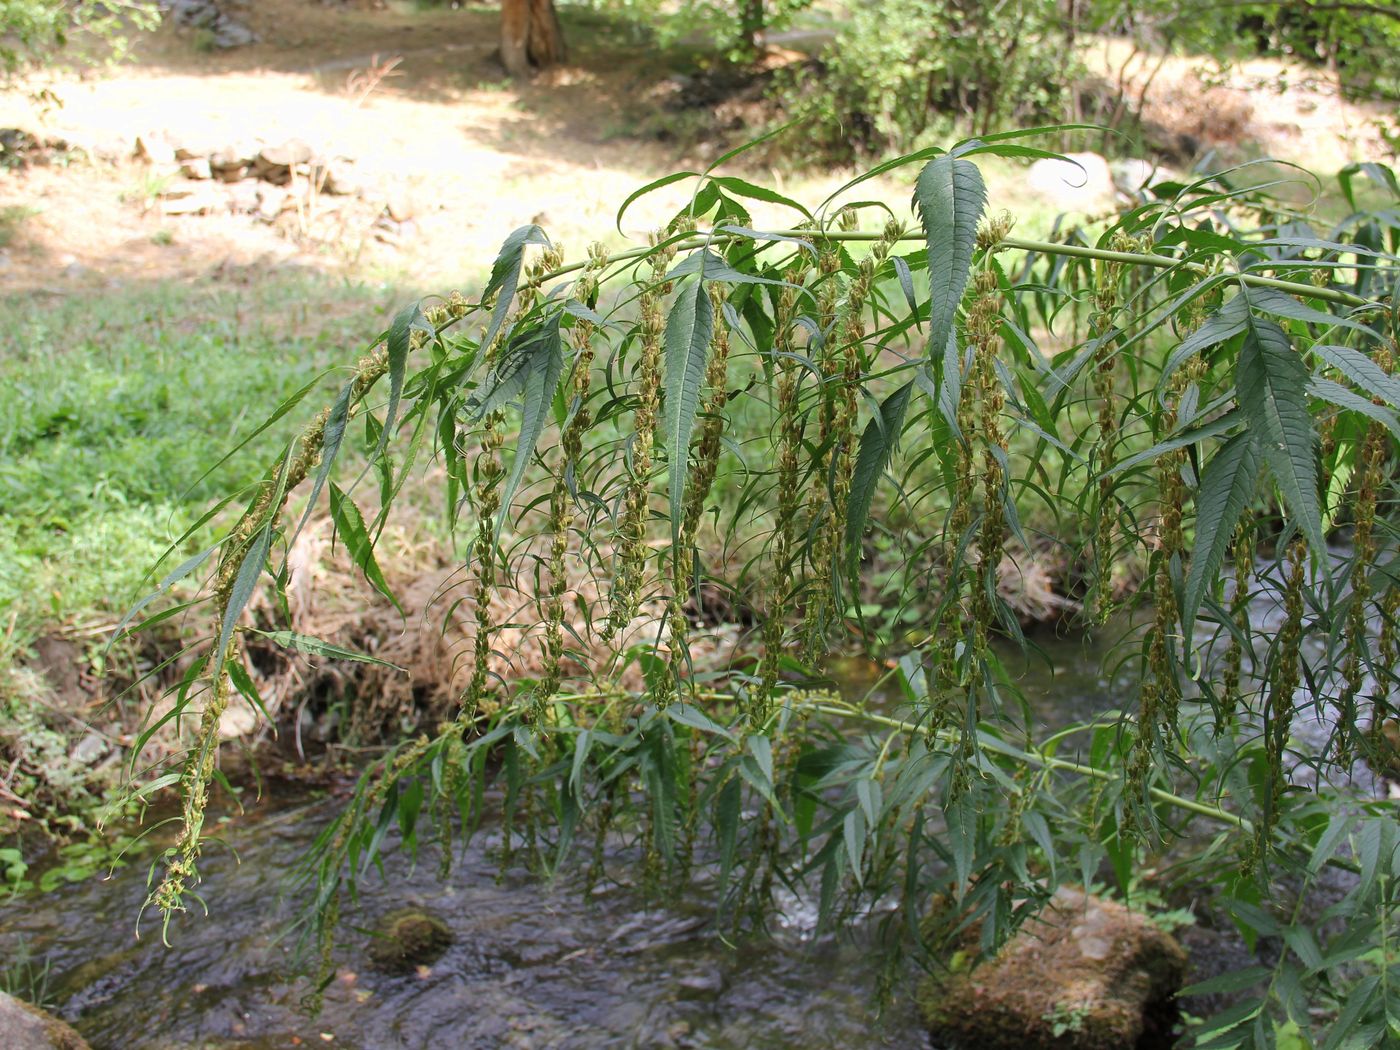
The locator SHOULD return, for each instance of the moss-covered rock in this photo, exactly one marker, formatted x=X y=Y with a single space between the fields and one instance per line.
x=26 y=1027
x=408 y=938
x=1086 y=974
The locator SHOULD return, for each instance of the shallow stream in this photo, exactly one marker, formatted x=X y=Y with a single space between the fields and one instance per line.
x=528 y=965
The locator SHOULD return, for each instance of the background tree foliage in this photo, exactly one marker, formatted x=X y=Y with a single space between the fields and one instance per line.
x=33 y=33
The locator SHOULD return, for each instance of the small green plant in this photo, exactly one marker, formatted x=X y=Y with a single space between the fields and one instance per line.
x=13 y=867
x=38 y=31
x=24 y=977
x=12 y=217
x=163 y=237
x=1066 y=1019
x=148 y=189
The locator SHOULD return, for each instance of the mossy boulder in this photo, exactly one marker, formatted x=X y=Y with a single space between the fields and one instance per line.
x=1085 y=974
x=26 y=1027
x=408 y=938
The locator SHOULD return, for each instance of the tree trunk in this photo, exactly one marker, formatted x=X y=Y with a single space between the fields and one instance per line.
x=531 y=37
x=751 y=26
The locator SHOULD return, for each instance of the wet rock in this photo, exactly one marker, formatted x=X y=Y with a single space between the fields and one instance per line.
x=230 y=34
x=17 y=140
x=1081 y=182
x=194 y=14
x=707 y=985
x=408 y=938
x=26 y=1027
x=1086 y=974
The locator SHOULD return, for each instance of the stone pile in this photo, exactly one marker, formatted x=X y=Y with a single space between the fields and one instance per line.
x=259 y=180
x=222 y=31
x=20 y=149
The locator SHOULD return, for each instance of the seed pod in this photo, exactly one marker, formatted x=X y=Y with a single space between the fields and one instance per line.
x=1108 y=276
x=632 y=553
x=853 y=366
x=486 y=499
x=571 y=444
x=818 y=504
x=260 y=519
x=1231 y=697
x=702 y=476
x=1370 y=477
x=1159 y=725
x=789 y=442
x=1283 y=685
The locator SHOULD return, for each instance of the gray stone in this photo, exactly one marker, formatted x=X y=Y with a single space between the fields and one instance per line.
x=90 y=748
x=243 y=197
x=1133 y=175
x=26 y=1027
x=1081 y=182
x=224 y=31
x=231 y=34
x=293 y=151
x=196 y=168
x=192 y=200
x=195 y=14
x=700 y=985
x=400 y=205
x=154 y=149
x=271 y=202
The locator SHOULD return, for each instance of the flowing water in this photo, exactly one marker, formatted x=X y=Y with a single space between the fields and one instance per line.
x=528 y=965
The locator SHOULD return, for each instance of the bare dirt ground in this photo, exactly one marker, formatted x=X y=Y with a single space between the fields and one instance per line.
x=455 y=154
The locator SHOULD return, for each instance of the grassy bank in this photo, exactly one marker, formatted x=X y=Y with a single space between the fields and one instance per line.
x=118 y=403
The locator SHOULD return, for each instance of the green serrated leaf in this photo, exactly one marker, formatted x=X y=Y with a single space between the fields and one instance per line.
x=950 y=197
x=1271 y=385
x=692 y=716
x=1340 y=396
x=689 y=328
x=243 y=586
x=505 y=276
x=396 y=346
x=305 y=643
x=758 y=193
x=1227 y=485
x=1361 y=370
x=877 y=444
x=546 y=362
x=350 y=525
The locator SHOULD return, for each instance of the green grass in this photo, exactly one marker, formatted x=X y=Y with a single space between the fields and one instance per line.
x=115 y=408
x=12 y=216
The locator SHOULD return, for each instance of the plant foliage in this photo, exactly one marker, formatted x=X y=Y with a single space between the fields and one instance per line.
x=1200 y=396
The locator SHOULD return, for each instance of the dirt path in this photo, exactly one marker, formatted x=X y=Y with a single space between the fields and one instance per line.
x=449 y=156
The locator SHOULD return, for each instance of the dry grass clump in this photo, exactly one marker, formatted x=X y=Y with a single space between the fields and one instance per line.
x=426 y=651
